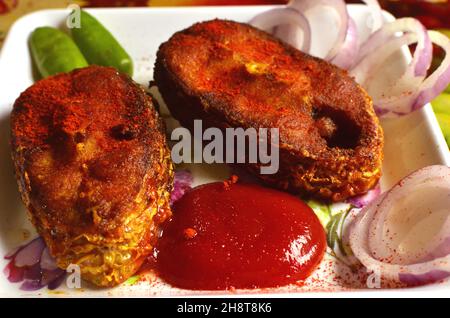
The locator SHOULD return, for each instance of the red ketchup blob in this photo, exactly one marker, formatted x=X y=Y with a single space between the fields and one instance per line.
x=225 y=236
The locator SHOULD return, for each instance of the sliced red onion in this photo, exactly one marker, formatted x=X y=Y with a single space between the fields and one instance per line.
x=427 y=278
x=289 y=18
x=364 y=72
x=47 y=261
x=33 y=273
x=441 y=250
x=30 y=254
x=437 y=82
x=49 y=276
x=349 y=50
x=412 y=90
x=385 y=39
x=420 y=91
x=421 y=183
x=384 y=236
x=33 y=265
x=365 y=199
x=182 y=183
x=31 y=285
x=339 y=7
x=13 y=253
x=286 y=23
x=14 y=274
x=396 y=98
x=377 y=14
x=54 y=284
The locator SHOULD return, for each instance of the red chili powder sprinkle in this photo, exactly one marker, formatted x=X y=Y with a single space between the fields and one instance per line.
x=190 y=233
x=228 y=183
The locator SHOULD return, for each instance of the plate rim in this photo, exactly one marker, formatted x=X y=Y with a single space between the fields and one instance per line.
x=431 y=123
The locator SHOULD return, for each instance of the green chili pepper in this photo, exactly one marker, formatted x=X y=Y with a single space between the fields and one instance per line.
x=99 y=46
x=54 y=52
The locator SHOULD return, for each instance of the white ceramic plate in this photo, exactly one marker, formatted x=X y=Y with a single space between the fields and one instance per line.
x=412 y=142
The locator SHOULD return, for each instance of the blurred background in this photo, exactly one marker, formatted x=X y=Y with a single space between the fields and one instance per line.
x=434 y=14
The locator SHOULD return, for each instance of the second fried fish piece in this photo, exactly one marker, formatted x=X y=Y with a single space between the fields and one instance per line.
x=230 y=74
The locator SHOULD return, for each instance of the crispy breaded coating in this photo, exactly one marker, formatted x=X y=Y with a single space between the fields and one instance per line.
x=93 y=169
x=230 y=74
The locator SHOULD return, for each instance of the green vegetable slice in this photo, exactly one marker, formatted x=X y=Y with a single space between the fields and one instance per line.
x=99 y=46
x=54 y=52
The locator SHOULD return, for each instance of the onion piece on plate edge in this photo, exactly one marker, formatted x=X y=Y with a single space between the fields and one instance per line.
x=377 y=14
x=346 y=46
x=349 y=50
x=33 y=265
x=404 y=235
x=278 y=18
x=410 y=91
x=339 y=6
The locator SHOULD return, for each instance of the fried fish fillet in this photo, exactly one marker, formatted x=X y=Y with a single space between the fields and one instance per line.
x=93 y=169
x=230 y=74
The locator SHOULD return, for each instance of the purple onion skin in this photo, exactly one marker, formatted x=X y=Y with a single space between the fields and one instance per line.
x=365 y=199
x=54 y=284
x=13 y=253
x=13 y=273
x=49 y=276
x=182 y=184
x=30 y=271
x=30 y=254
x=31 y=285
x=433 y=276
x=423 y=279
x=47 y=261
x=33 y=273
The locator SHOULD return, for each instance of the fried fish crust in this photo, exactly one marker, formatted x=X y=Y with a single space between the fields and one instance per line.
x=230 y=74
x=93 y=169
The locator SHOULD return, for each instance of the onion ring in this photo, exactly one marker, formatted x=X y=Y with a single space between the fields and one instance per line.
x=383 y=237
x=379 y=42
x=377 y=14
x=415 y=92
x=411 y=91
x=285 y=17
x=349 y=50
x=339 y=7
x=440 y=79
x=30 y=254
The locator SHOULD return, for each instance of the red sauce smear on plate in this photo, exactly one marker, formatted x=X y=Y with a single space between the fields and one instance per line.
x=231 y=235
